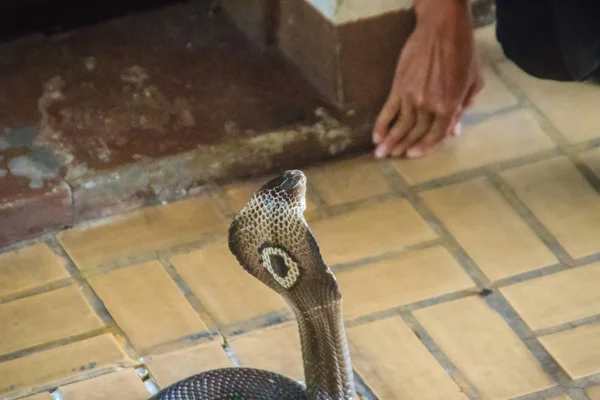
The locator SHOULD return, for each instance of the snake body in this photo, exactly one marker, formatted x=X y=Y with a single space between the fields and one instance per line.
x=272 y=241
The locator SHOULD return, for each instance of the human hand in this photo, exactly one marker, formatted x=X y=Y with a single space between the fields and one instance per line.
x=437 y=77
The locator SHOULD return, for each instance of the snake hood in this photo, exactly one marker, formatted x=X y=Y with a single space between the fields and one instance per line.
x=272 y=241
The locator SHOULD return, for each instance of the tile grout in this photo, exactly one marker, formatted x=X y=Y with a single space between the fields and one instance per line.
x=425 y=338
x=502 y=306
x=90 y=295
x=538 y=228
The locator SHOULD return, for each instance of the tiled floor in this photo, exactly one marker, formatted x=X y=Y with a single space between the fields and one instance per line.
x=470 y=274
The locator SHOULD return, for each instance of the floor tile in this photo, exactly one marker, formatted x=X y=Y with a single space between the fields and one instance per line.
x=481 y=345
x=147 y=305
x=487 y=44
x=172 y=367
x=45 y=317
x=562 y=199
x=494 y=96
x=396 y=365
x=124 y=384
x=240 y=194
x=348 y=181
x=400 y=280
x=370 y=231
x=594 y=393
x=39 y=396
x=223 y=287
x=576 y=350
x=499 y=138
x=592 y=159
x=570 y=106
x=558 y=298
x=61 y=363
x=143 y=231
x=489 y=229
x=30 y=267
x=275 y=349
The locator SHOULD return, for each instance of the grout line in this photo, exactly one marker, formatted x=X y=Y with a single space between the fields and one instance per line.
x=481 y=171
x=578 y=394
x=529 y=275
x=90 y=295
x=269 y=320
x=469 y=266
x=188 y=293
x=466 y=262
x=499 y=303
x=53 y=344
x=362 y=389
x=362 y=262
x=551 y=393
x=48 y=287
x=230 y=352
x=405 y=308
x=593 y=320
x=532 y=221
x=461 y=381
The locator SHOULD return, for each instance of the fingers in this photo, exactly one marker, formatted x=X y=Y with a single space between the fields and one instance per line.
x=389 y=111
x=405 y=123
x=422 y=125
x=439 y=129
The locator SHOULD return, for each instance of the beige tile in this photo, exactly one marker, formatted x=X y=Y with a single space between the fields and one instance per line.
x=370 y=231
x=395 y=364
x=275 y=349
x=489 y=230
x=143 y=231
x=558 y=298
x=29 y=267
x=563 y=201
x=348 y=181
x=487 y=44
x=39 y=396
x=240 y=194
x=224 y=288
x=494 y=96
x=484 y=348
x=497 y=139
x=576 y=350
x=570 y=106
x=61 y=363
x=147 y=305
x=172 y=367
x=400 y=280
x=45 y=317
x=594 y=393
x=124 y=384
x=592 y=159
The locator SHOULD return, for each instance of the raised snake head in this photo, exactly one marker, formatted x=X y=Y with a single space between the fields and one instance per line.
x=272 y=241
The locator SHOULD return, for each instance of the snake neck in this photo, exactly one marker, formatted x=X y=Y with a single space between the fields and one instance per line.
x=327 y=366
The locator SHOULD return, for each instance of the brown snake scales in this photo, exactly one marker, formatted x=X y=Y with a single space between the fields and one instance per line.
x=272 y=241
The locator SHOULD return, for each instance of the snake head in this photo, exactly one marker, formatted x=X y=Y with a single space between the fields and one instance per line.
x=272 y=241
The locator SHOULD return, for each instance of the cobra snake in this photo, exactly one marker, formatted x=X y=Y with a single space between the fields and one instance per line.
x=272 y=241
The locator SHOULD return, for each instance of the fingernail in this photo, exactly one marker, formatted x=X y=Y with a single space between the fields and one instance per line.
x=376 y=137
x=380 y=152
x=414 y=153
x=458 y=129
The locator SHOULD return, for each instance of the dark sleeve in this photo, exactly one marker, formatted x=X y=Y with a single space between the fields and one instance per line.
x=551 y=39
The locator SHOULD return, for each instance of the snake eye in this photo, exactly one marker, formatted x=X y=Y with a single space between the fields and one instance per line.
x=280 y=265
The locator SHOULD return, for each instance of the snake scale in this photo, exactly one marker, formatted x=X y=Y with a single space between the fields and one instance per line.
x=272 y=241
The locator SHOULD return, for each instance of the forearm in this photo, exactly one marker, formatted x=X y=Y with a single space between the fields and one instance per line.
x=433 y=10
